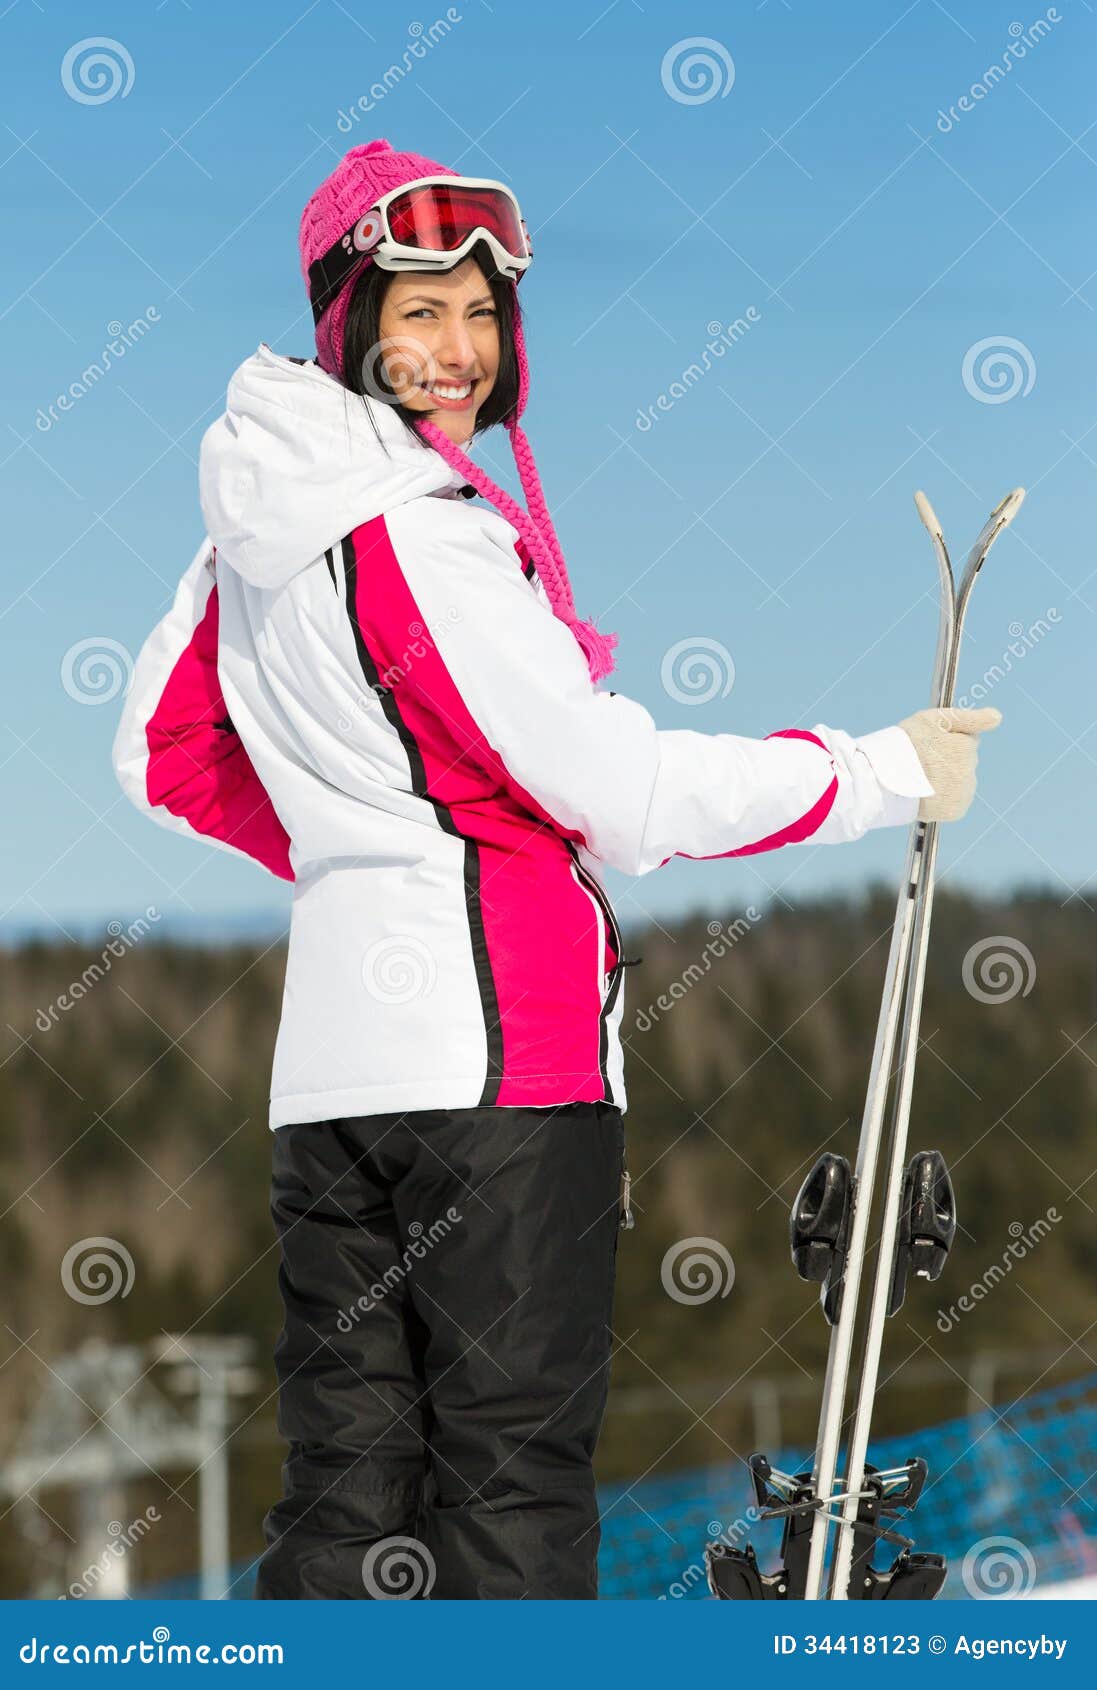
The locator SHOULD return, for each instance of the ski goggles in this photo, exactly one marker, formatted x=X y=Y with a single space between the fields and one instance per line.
x=431 y=224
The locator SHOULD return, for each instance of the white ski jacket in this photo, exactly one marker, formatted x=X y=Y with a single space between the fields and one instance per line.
x=362 y=686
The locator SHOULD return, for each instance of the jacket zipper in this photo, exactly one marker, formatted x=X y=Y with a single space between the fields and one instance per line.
x=609 y=920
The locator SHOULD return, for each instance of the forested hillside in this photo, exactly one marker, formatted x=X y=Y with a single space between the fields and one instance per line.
x=138 y=1113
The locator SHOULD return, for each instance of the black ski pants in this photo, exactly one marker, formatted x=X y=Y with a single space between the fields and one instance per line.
x=447 y=1280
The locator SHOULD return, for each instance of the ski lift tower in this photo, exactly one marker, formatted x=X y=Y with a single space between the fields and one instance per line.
x=101 y=1422
x=211 y=1368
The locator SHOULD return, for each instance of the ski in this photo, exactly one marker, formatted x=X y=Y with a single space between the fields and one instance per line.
x=829 y=1231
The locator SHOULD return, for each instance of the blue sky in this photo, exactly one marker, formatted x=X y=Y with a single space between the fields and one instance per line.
x=809 y=186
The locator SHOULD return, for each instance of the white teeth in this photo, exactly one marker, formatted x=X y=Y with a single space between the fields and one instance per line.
x=445 y=392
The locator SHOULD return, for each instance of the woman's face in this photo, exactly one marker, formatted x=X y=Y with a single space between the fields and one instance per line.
x=440 y=344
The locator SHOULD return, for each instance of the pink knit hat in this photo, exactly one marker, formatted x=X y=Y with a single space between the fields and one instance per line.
x=356 y=183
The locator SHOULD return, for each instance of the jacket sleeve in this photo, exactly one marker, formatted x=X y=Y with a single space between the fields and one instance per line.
x=453 y=626
x=176 y=754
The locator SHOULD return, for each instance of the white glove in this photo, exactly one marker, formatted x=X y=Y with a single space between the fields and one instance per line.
x=947 y=743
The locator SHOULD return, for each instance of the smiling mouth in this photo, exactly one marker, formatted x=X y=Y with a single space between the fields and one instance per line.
x=452 y=391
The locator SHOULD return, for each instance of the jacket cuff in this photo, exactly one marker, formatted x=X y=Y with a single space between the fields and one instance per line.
x=896 y=765
x=895 y=762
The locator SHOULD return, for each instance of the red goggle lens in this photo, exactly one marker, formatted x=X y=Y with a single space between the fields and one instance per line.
x=440 y=219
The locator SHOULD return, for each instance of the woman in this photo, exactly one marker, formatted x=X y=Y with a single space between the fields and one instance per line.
x=376 y=684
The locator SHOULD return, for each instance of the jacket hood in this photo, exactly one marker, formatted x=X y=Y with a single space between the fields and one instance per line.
x=295 y=463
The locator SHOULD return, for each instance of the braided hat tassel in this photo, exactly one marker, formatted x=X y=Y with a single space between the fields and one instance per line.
x=534 y=525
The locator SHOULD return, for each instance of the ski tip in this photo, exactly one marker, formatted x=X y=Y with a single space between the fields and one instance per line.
x=1010 y=505
x=926 y=512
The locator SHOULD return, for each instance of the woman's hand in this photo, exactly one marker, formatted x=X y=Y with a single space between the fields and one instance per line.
x=947 y=743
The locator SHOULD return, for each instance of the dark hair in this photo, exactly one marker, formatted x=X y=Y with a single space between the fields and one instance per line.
x=362 y=333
